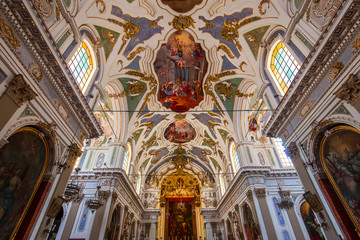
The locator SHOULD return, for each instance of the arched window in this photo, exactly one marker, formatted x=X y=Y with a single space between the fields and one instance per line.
x=235 y=160
x=283 y=66
x=284 y=159
x=138 y=183
x=127 y=157
x=81 y=66
x=222 y=183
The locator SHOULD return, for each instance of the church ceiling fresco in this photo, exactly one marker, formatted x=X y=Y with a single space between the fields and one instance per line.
x=108 y=39
x=181 y=61
x=254 y=38
x=225 y=28
x=180 y=131
x=180 y=66
x=181 y=6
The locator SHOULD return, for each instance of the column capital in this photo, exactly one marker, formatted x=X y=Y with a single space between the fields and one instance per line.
x=349 y=91
x=293 y=151
x=260 y=192
x=19 y=91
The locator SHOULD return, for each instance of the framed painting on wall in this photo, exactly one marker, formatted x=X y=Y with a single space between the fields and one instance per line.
x=23 y=161
x=313 y=201
x=340 y=158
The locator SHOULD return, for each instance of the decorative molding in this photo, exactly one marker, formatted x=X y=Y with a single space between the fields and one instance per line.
x=74 y=153
x=9 y=33
x=19 y=91
x=318 y=62
x=181 y=22
x=350 y=90
x=260 y=192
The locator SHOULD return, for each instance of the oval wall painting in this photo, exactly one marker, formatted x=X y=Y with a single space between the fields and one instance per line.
x=180 y=131
x=180 y=67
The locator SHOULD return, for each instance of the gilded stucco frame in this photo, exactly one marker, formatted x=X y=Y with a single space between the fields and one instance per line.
x=46 y=162
x=330 y=177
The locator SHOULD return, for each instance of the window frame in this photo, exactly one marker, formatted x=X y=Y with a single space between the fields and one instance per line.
x=268 y=70
x=126 y=164
x=285 y=160
x=235 y=161
x=84 y=89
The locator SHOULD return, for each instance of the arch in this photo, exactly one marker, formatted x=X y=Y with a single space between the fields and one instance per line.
x=115 y=223
x=282 y=66
x=82 y=65
x=310 y=222
x=25 y=158
x=127 y=158
x=234 y=156
x=251 y=229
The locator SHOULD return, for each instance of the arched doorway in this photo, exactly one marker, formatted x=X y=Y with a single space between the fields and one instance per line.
x=180 y=203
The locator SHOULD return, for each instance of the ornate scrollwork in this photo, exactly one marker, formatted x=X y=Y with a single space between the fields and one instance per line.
x=179 y=184
x=226 y=50
x=74 y=153
x=334 y=71
x=180 y=116
x=230 y=29
x=9 y=33
x=181 y=22
x=134 y=53
x=261 y=11
x=102 y=7
x=130 y=30
x=19 y=91
x=224 y=88
x=260 y=192
x=152 y=86
x=350 y=90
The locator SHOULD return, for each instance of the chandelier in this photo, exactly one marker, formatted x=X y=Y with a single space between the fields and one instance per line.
x=73 y=189
x=285 y=200
x=95 y=202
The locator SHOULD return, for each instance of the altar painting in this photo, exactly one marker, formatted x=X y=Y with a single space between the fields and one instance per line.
x=180 y=224
x=340 y=157
x=252 y=230
x=180 y=67
x=23 y=161
x=180 y=131
x=312 y=227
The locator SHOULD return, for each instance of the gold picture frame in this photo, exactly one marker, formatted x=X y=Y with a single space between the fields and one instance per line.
x=336 y=150
x=313 y=201
x=35 y=132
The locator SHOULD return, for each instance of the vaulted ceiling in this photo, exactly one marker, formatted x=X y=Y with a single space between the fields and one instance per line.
x=177 y=76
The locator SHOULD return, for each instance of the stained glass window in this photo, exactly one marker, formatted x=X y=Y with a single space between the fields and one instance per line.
x=284 y=159
x=222 y=183
x=81 y=65
x=126 y=161
x=284 y=66
x=235 y=157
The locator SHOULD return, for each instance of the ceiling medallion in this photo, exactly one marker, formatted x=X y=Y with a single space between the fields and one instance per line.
x=181 y=6
x=180 y=131
x=180 y=66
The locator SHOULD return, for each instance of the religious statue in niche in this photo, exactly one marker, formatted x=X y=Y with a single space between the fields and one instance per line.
x=180 y=131
x=180 y=66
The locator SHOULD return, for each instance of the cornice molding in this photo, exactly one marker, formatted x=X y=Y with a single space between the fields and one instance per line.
x=42 y=48
x=330 y=45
